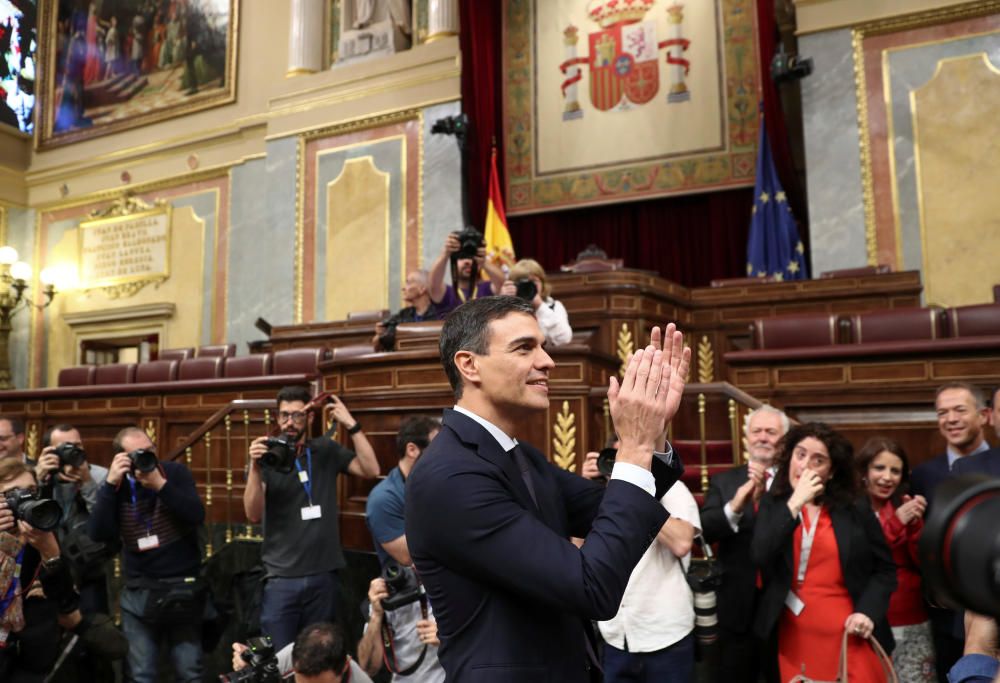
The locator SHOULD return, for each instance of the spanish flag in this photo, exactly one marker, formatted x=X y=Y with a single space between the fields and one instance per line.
x=499 y=248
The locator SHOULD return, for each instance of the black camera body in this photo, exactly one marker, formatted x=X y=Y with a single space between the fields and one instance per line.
x=785 y=67
x=387 y=340
x=666 y=468
x=526 y=289
x=280 y=455
x=404 y=587
x=70 y=454
x=42 y=513
x=263 y=664
x=470 y=241
x=144 y=460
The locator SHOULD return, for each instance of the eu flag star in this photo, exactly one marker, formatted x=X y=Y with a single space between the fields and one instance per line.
x=764 y=197
x=800 y=247
x=780 y=196
x=793 y=267
x=779 y=277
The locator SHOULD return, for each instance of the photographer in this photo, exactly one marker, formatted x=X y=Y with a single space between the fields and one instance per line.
x=318 y=655
x=154 y=508
x=526 y=280
x=292 y=487
x=36 y=590
x=466 y=252
x=419 y=307
x=73 y=482
x=405 y=622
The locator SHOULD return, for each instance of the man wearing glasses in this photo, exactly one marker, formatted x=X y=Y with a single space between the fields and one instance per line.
x=301 y=550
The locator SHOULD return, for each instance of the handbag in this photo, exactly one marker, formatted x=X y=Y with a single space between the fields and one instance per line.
x=884 y=660
x=174 y=601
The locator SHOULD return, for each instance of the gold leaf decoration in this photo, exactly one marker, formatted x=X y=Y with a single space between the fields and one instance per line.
x=706 y=361
x=151 y=431
x=564 y=441
x=32 y=441
x=626 y=346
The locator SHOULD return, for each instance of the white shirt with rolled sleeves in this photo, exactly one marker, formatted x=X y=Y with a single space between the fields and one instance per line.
x=658 y=607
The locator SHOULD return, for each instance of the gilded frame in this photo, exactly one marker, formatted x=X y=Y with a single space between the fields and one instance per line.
x=129 y=284
x=51 y=16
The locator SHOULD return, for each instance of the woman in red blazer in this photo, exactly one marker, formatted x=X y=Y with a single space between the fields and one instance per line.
x=885 y=474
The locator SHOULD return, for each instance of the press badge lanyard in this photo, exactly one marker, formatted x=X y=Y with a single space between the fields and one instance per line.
x=150 y=540
x=793 y=601
x=305 y=478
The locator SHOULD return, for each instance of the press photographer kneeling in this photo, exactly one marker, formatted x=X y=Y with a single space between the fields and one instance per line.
x=318 y=655
x=36 y=589
x=154 y=508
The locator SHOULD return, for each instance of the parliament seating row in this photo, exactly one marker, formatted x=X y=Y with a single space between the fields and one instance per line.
x=300 y=361
x=817 y=334
x=215 y=350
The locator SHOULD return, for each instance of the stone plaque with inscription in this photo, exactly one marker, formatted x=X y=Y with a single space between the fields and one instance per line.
x=124 y=249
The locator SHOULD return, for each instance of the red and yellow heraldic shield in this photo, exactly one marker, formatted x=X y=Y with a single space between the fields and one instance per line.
x=623 y=63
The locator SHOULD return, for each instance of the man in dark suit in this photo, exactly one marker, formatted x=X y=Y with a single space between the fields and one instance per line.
x=727 y=518
x=961 y=416
x=488 y=519
x=985 y=462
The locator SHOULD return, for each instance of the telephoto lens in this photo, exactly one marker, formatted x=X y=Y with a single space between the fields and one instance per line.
x=41 y=513
x=144 y=460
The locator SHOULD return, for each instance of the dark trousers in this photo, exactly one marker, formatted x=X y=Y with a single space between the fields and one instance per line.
x=672 y=664
x=949 y=645
x=290 y=604
x=741 y=657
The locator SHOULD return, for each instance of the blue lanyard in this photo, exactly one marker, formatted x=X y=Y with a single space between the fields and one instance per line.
x=141 y=518
x=308 y=484
x=7 y=599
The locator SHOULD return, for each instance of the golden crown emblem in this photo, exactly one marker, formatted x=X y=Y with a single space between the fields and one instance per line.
x=608 y=13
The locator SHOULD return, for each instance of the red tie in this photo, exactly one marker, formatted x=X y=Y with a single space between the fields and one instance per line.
x=756 y=506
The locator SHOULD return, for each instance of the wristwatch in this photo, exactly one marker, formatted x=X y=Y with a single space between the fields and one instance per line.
x=355 y=429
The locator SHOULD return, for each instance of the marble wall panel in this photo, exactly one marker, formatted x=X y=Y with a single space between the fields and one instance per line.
x=442 y=190
x=830 y=121
x=21 y=236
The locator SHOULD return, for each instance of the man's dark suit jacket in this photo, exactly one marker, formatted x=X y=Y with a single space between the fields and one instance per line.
x=924 y=478
x=510 y=592
x=987 y=462
x=869 y=571
x=736 y=595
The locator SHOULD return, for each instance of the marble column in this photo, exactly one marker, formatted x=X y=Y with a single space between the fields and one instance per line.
x=442 y=19
x=305 y=37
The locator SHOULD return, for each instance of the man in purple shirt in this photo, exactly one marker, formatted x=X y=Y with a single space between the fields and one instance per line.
x=464 y=272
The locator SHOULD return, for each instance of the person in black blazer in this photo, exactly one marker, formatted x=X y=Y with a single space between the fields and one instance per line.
x=488 y=519
x=961 y=416
x=815 y=474
x=727 y=518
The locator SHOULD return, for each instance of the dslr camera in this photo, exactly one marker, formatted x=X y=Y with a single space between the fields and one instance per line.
x=667 y=468
x=42 y=513
x=960 y=545
x=263 y=664
x=469 y=242
x=70 y=454
x=404 y=586
x=526 y=289
x=143 y=460
x=280 y=455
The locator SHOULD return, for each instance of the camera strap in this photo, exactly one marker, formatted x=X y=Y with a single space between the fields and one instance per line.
x=389 y=649
x=306 y=480
x=150 y=540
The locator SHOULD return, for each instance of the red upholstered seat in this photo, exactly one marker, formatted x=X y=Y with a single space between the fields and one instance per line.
x=200 y=368
x=974 y=321
x=856 y=272
x=298 y=361
x=368 y=316
x=77 y=376
x=115 y=373
x=156 y=371
x=897 y=324
x=350 y=351
x=176 y=354
x=254 y=365
x=788 y=331
x=218 y=350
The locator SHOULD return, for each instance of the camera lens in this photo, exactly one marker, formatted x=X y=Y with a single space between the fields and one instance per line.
x=960 y=545
x=144 y=460
x=42 y=514
x=606 y=461
x=70 y=454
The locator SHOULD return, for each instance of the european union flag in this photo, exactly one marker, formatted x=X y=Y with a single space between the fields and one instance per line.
x=774 y=247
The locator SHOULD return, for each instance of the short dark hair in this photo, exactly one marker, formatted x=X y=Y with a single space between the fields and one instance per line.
x=293 y=393
x=467 y=329
x=842 y=487
x=318 y=648
x=976 y=392
x=416 y=430
x=872 y=448
x=16 y=423
x=116 y=444
x=47 y=437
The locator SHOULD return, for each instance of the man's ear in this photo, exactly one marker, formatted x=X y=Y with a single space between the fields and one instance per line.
x=467 y=366
x=412 y=451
